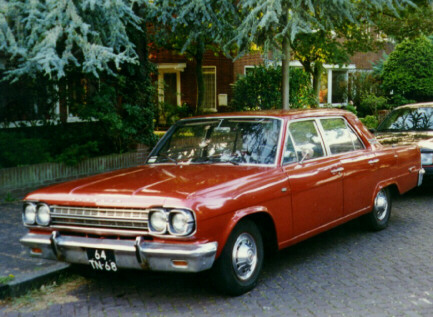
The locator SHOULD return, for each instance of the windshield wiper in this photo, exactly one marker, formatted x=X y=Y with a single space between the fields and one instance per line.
x=216 y=159
x=166 y=156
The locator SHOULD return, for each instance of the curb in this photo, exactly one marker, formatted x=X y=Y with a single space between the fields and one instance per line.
x=29 y=281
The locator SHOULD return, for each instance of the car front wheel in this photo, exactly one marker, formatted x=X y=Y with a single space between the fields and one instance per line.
x=237 y=269
x=378 y=218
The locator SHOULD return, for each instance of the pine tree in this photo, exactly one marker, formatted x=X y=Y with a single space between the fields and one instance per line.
x=274 y=23
x=54 y=36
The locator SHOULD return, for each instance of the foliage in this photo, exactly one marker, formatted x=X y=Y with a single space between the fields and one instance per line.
x=52 y=37
x=125 y=124
x=408 y=71
x=260 y=89
x=352 y=109
x=371 y=104
x=6 y=279
x=18 y=100
x=18 y=149
x=75 y=153
x=273 y=24
x=371 y=122
x=53 y=143
x=168 y=114
x=412 y=22
x=363 y=85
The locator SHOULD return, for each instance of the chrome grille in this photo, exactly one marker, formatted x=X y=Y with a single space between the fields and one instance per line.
x=117 y=218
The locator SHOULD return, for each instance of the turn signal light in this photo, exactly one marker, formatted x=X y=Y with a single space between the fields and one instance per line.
x=36 y=251
x=179 y=262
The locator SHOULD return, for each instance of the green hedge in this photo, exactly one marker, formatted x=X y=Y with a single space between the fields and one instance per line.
x=69 y=143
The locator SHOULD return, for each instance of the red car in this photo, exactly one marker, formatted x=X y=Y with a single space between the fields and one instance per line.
x=218 y=192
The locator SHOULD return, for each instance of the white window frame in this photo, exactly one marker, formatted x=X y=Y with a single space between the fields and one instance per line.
x=173 y=68
x=211 y=70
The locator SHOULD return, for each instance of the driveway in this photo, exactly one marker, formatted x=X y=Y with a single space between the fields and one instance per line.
x=347 y=271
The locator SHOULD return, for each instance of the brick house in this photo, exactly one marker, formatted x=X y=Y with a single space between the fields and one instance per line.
x=177 y=83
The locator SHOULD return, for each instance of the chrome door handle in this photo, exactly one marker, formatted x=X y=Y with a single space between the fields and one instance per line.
x=412 y=169
x=373 y=161
x=337 y=170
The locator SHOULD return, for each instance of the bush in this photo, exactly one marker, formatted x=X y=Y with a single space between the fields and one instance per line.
x=371 y=104
x=371 y=122
x=68 y=143
x=260 y=89
x=19 y=149
x=360 y=85
x=408 y=71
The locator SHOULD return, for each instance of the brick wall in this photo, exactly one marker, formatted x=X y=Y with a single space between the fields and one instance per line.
x=224 y=73
x=246 y=60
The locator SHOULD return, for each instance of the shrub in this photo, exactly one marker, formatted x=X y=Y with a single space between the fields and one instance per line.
x=19 y=149
x=371 y=104
x=371 y=122
x=408 y=71
x=360 y=85
x=260 y=89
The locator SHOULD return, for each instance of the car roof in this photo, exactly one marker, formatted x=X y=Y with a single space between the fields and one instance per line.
x=291 y=114
x=417 y=105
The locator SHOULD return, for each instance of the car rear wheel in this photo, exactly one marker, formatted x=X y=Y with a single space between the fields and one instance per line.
x=378 y=218
x=237 y=269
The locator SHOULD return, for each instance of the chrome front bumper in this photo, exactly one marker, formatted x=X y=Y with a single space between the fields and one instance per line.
x=138 y=254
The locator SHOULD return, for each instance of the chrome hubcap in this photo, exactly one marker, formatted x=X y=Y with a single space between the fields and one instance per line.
x=244 y=256
x=381 y=205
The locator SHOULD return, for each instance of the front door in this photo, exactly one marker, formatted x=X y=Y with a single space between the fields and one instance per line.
x=315 y=179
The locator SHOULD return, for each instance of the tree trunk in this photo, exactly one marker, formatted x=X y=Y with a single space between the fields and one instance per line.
x=317 y=76
x=63 y=104
x=199 y=76
x=285 y=84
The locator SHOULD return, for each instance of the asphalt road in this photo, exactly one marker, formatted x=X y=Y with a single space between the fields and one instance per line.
x=347 y=271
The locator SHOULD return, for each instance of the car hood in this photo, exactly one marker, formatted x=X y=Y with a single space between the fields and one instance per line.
x=424 y=139
x=151 y=185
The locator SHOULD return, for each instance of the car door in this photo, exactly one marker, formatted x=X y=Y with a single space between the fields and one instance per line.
x=315 y=178
x=358 y=162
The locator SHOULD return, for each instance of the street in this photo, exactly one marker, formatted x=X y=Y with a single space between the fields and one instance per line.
x=347 y=271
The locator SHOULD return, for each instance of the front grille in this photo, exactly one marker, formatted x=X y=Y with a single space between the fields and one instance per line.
x=117 y=218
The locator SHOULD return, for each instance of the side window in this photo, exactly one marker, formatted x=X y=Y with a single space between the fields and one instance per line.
x=307 y=141
x=339 y=137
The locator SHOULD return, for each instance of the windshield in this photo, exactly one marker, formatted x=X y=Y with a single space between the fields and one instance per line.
x=222 y=140
x=408 y=119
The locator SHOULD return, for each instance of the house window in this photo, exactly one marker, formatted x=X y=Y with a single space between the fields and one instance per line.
x=248 y=69
x=339 y=86
x=333 y=84
x=209 y=78
x=169 y=87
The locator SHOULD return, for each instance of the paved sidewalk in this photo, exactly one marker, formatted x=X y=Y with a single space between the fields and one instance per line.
x=15 y=260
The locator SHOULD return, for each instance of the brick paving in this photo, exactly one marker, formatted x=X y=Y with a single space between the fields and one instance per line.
x=347 y=271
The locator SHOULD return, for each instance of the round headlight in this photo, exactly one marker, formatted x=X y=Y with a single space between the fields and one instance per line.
x=43 y=217
x=158 y=221
x=29 y=214
x=181 y=222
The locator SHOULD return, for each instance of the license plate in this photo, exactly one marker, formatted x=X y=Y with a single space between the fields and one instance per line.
x=102 y=260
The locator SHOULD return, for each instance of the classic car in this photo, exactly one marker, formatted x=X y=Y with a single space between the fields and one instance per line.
x=218 y=192
x=410 y=124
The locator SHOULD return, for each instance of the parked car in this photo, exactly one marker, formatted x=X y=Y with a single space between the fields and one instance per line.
x=218 y=192
x=410 y=124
